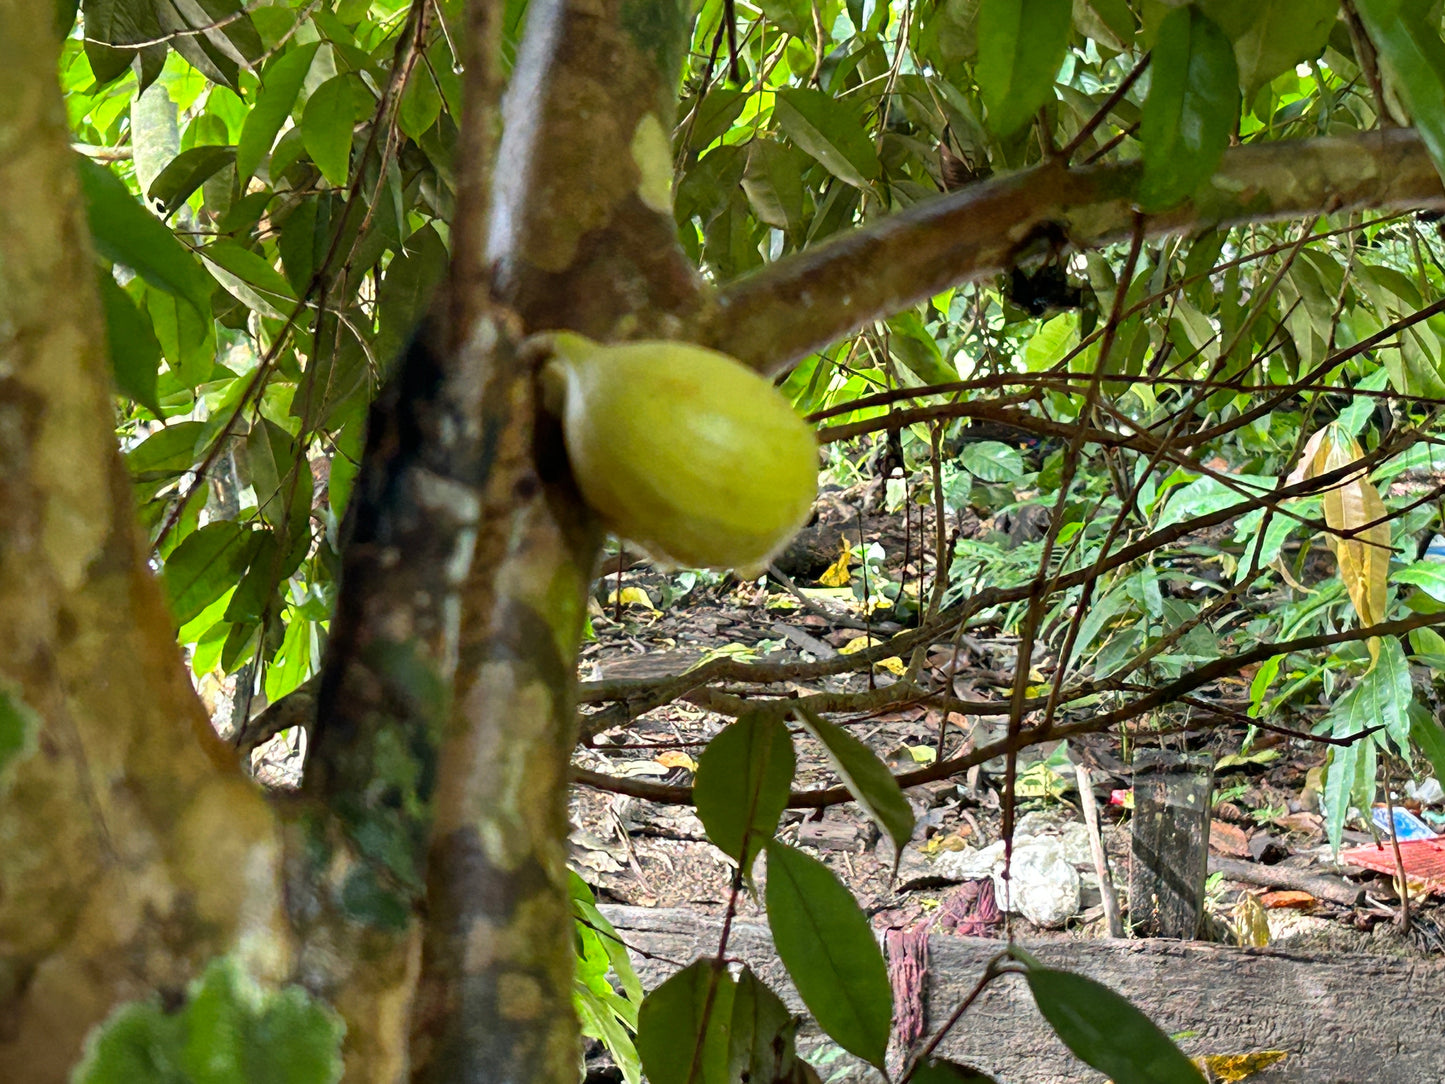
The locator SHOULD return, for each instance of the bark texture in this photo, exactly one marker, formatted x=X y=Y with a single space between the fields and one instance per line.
x=131 y=849
x=580 y=236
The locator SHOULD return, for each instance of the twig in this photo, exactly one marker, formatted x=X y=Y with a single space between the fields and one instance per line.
x=1107 y=895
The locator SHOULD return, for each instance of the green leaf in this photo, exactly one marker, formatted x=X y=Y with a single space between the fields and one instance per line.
x=830 y=130
x=866 y=777
x=166 y=453
x=186 y=172
x=135 y=355
x=828 y=947
x=670 y=1027
x=911 y=344
x=258 y=586
x=274 y=100
x=109 y=26
x=1427 y=575
x=1272 y=36
x=421 y=103
x=65 y=11
x=991 y=461
x=281 y=479
x=249 y=277
x=1021 y=44
x=126 y=233
x=1192 y=106
x=19 y=726
x=293 y=661
x=742 y=785
x=1106 y=1031
x=1381 y=697
x=1407 y=37
x=205 y=565
x=762 y=1033
x=221 y=37
x=230 y=1031
x=1429 y=737
x=326 y=128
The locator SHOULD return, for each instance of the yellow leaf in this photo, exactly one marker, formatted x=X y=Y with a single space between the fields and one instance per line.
x=1364 y=558
x=859 y=643
x=676 y=758
x=1233 y=1067
x=1251 y=924
x=633 y=596
x=838 y=574
x=893 y=664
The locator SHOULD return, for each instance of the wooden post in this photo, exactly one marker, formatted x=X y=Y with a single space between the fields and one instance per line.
x=1169 y=854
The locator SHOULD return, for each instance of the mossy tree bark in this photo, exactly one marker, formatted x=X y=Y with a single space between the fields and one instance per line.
x=131 y=848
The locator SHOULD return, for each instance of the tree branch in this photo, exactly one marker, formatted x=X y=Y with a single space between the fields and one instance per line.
x=803 y=303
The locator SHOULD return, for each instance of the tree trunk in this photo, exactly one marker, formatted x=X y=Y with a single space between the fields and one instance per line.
x=131 y=849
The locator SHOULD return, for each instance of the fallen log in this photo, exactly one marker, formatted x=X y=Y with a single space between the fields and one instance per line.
x=1322 y=886
x=1345 y=1019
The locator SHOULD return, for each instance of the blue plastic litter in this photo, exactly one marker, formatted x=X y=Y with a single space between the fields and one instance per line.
x=1407 y=825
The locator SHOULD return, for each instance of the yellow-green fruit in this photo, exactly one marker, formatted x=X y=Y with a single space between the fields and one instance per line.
x=682 y=450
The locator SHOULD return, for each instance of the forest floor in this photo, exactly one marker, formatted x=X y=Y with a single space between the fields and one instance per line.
x=1266 y=824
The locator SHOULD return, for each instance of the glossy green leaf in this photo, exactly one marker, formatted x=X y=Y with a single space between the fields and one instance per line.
x=326 y=128
x=1429 y=737
x=676 y=1043
x=866 y=777
x=1106 y=1031
x=280 y=85
x=1021 y=44
x=135 y=355
x=126 y=233
x=742 y=784
x=828 y=947
x=1192 y=106
x=187 y=172
x=831 y=131
x=1406 y=34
